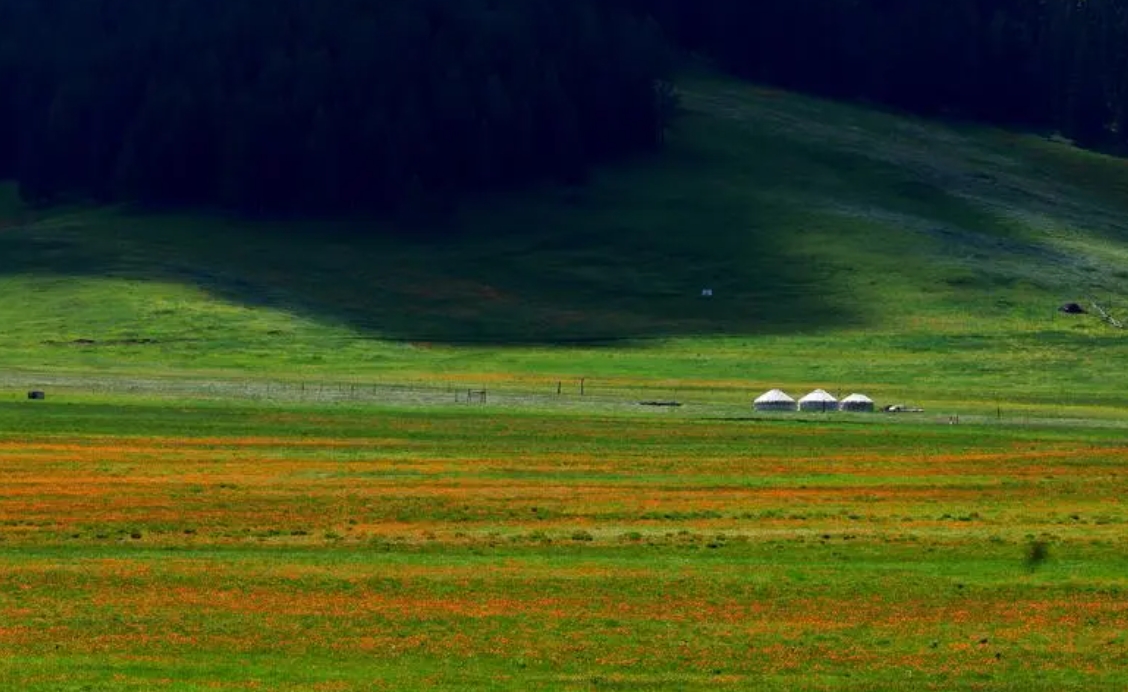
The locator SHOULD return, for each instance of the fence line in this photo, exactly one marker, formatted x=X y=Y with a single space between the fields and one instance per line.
x=583 y=393
x=728 y=402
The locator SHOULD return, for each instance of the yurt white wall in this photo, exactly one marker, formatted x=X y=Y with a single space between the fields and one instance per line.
x=775 y=400
x=818 y=401
x=857 y=403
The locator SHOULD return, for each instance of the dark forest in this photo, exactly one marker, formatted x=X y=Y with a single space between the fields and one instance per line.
x=278 y=105
x=1057 y=65
x=269 y=105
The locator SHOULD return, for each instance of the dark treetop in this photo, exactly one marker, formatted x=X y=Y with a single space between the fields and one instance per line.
x=271 y=105
x=393 y=105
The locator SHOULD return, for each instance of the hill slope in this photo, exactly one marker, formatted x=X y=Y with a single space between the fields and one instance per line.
x=846 y=248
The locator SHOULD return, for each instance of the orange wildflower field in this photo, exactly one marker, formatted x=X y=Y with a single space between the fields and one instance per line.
x=212 y=547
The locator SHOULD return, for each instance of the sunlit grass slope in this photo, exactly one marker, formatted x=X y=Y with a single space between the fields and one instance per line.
x=846 y=248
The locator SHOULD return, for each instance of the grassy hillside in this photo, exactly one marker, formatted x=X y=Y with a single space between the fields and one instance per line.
x=847 y=248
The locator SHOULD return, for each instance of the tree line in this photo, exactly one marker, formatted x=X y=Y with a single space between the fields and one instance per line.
x=272 y=105
x=1061 y=65
x=275 y=105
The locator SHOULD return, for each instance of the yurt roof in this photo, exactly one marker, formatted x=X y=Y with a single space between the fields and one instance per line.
x=819 y=395
x=775 y=396
x=857 y=399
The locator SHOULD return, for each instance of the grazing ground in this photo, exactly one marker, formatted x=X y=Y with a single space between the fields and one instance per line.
x=847 y=248
x=263 y=547
x=250 y=471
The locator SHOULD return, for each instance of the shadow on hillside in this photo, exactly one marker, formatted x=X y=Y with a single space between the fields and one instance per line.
x=624 y=260
x=627 y=258
x=604 y=284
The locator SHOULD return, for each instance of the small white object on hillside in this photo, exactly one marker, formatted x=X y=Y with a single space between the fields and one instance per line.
x=706 y=293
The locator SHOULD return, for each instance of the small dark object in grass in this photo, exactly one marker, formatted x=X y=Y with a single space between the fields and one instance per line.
x=667 y=404
x=1036 y=554
x=1072 y=309
x=36 y=395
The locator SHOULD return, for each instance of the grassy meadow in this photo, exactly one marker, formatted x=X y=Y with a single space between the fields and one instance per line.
x=148 y=546
x=252 y=472
x=847 y=248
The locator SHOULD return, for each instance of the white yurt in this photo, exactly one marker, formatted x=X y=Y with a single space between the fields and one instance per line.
x=859 y=403
x=818 y=401
x=775 y=400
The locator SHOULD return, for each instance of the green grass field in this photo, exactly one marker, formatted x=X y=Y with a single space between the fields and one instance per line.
x=149 y=546
x=847 y=248
x=252 y=470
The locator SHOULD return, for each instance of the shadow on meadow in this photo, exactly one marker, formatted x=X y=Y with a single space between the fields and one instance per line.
x=774 y=209
x=624 y=260
x=585 y=287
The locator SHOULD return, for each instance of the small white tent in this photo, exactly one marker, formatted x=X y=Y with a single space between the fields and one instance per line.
x=857 y=402
x=775 y=400
x=818 y=400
